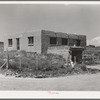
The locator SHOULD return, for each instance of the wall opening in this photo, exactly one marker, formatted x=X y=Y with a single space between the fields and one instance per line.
x=30 y=41
x=76 y=55
x=53 y=40
x=18 y=43
x=10 y=42
x=78 y=42
x=64 y=41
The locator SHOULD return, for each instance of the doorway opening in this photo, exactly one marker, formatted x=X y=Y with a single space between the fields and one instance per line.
x=77 y=56
x=18 y=43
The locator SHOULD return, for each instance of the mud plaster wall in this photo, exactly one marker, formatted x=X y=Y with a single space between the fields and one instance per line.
x=64 y=51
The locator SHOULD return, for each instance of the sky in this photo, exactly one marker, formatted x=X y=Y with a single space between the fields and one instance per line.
x=72 y=18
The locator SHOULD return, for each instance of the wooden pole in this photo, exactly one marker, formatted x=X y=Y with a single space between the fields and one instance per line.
x=83 y=54
x=37 y=62
x=7 y=65
x=20 y=62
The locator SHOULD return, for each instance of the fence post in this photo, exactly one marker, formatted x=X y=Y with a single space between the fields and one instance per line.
x=83 y=54
x=37 y=62
x=20 y=62
x=7 y=65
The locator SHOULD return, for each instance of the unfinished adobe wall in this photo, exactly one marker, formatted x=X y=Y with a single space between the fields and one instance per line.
x=59 y=35
x=60 y=50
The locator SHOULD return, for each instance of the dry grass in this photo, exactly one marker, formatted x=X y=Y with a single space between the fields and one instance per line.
x=42 y=66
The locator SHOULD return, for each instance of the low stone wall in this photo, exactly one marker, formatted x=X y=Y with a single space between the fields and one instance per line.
x=60 y=50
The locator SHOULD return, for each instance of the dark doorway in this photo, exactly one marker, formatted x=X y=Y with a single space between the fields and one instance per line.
x=78 y=42
x=77 y=55
x=18 y=43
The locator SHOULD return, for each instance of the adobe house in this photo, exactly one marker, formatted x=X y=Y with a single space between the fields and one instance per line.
x=44 y=41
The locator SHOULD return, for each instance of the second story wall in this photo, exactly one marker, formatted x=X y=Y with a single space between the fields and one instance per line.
x=50 y=38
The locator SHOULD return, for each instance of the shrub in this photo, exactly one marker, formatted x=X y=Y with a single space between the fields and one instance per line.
x=13 y=65
x=51 y=62
x=80 y=67
x=36 y=63
x=83 y=67
x=23 y=53
x=28 y=63
x=12 y=54
x=1 y=62
x=3 y=55
x=44 y=62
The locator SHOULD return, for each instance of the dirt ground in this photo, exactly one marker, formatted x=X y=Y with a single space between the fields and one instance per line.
x=85 y=82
